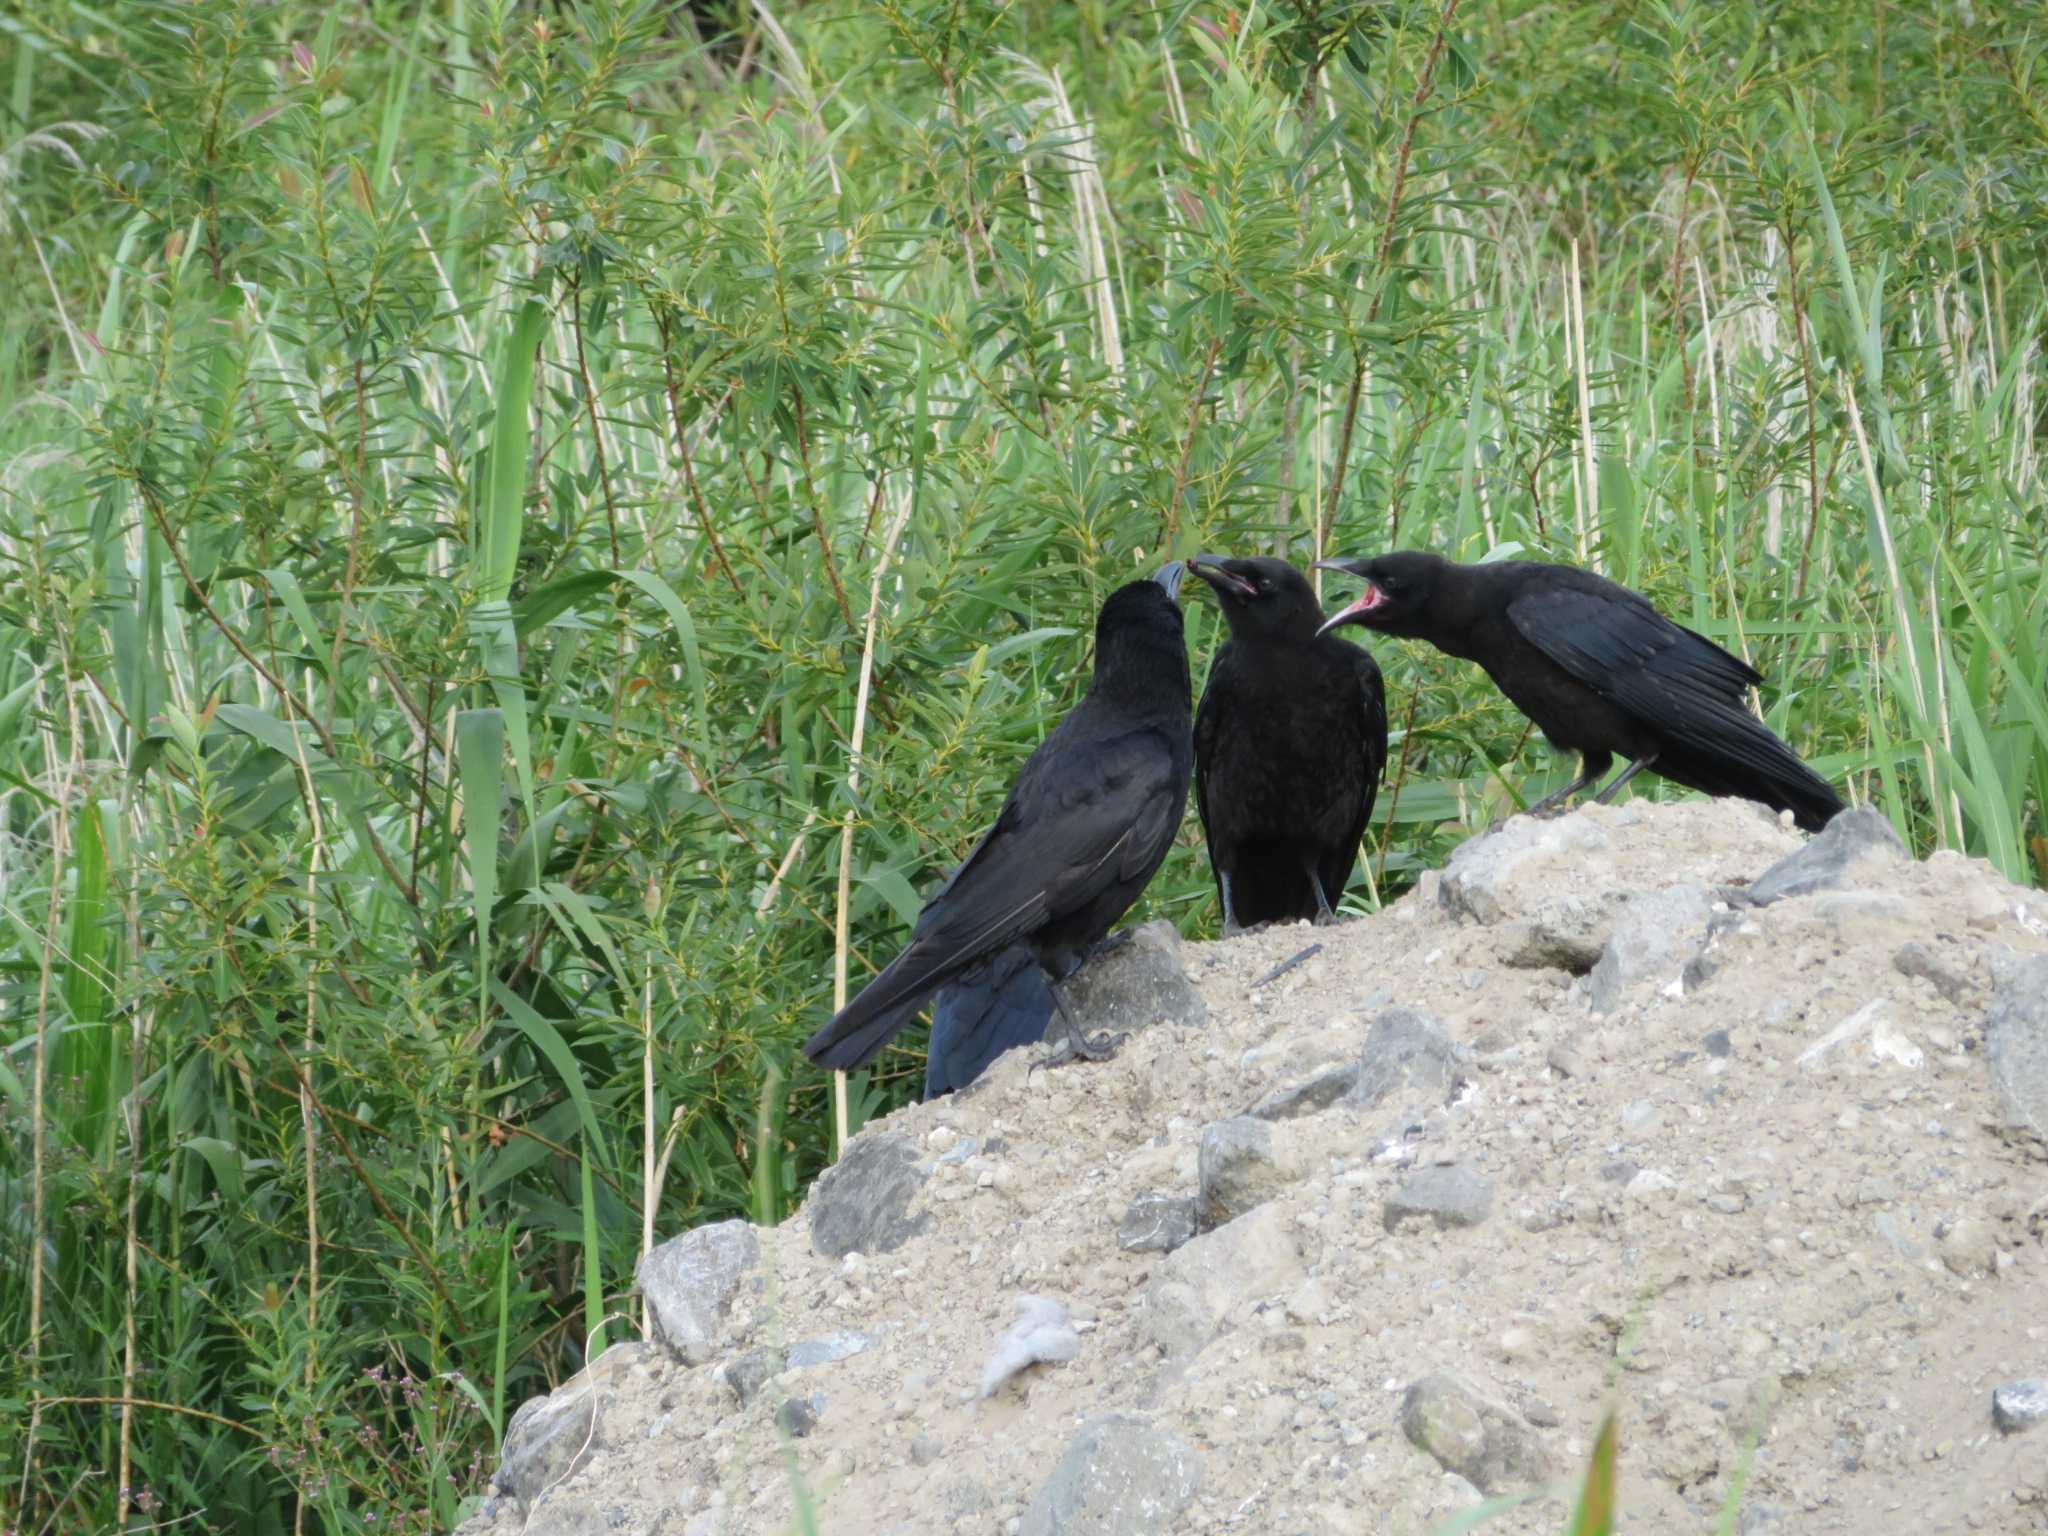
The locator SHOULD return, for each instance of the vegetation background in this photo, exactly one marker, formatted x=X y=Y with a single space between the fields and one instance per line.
x=532 y=534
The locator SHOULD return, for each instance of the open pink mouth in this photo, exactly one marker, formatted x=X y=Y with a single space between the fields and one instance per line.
x=1368 y=600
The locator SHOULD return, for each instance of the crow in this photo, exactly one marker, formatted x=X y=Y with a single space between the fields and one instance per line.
x=1086 y=826
x=1290 y=742
x=1598 y=670
x=999 y=1002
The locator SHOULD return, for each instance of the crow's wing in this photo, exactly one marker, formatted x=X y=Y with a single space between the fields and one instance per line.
x=1084 y=815
x=1208 y=723
x=1675 y=682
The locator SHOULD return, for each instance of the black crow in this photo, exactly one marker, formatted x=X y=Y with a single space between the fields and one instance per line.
x=1290 y=742
x=1598 y=670
x=1087 y=824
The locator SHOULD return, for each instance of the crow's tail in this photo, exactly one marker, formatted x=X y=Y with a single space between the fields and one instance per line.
x=995 y=1004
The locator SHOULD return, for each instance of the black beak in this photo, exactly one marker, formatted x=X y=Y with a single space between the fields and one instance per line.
x=1211 y=569
x=1169 y=576
x=1360 y=611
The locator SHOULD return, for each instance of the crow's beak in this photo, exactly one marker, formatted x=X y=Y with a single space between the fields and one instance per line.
x=1210 y=568
x=1361 y=609
x=1169 y=576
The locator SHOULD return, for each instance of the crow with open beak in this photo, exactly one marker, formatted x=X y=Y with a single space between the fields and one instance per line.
x=1290 y=743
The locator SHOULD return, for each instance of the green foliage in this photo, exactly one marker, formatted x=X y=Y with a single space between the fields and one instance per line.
x=453 y=458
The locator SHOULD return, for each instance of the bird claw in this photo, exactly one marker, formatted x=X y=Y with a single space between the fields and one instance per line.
x=1079 y=1047
x=1326 y=919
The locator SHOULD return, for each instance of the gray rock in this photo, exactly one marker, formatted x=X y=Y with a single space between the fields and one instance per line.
x=926 y=1449
x=1406 y=1052
x=551 y=1438
x=1504 y=874
x=1717 y=1043
x=797 y=1416
x=1451 y=1197
x=1138 y=984
x=1566 y=936
x=831 y=1347
x=1654 y=932
x=863 y=1202
x=1233 y=1269
x=1238 y=1169
x=1485 y=1442
x=1119 y=1474
x=689 y=1279
x=1829 y=861
x=2016 y=1045
x=1308 y=1097
x=748 y=1373
x=1156 y=1223
x=2019 y=1405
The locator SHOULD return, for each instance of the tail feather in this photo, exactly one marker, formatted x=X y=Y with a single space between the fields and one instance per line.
x=1765 y=769
x=994 y=1005
x=855 y=1035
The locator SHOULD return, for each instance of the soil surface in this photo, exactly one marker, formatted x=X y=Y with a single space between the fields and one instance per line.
x=1574 y=1126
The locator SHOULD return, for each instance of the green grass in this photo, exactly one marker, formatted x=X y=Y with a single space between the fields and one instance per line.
x=469 y=477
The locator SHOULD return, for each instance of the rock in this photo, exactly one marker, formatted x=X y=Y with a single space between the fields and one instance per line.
x=926 y=1449
x=863 y=1202
x=1137 y=984
x=1917 y=959
x=797 y=1416
x=1830 y=860
x=689 y=1279
x=553 y=1437
x=1966 y=1247
x=1041 y=1333
x=1565 y=1059
x=1451 y=1197
x=1406 y=1052
x=1119 y=1474
x=826 y=1350
x=1156 y=1223
x=1716 y=1043
x=2016 y=1045
x=1482 y=1441
x=1510 y=872
x=1309 y=1097
x=2019 y=1405
x=1238 y=1169
x=748 y=1373
x=1232 y=1269
x=1654 y=932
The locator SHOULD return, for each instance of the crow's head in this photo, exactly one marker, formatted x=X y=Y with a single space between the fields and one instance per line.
x=1261 y=597
x=1399 y=589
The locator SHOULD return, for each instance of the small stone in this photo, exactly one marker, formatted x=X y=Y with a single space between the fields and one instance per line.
x=1827 y=861
x=863 y=1202
x=2016 y=1045
x=1638 y=1115
x=1406 y=1051
x=1483 y=1441
x=1654 y=933
x=1451 y=1196
x=825 y=1351
x=1308 y=1097
x=797 y=1417
x=1716 y=1043
x=1137 y=984
x=1565 y=1059
x=2019 y=1405
x=689 y=1280
x=748 y=1373
x=1156 y=1223
x=1119 y=1475
x=1966 y=1247
x=1238 y=1169
x=926 y=1449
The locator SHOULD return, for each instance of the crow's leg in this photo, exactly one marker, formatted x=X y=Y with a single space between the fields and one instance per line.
x=1108 y=947
x=1606 y=795
x=1070 y=1042
x=1591 y=766
x=1231 y=926
x=1324 y=916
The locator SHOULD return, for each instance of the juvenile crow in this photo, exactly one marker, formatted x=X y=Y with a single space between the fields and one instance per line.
x=1290 y=742
x=1599 y=671
x=1085 y=827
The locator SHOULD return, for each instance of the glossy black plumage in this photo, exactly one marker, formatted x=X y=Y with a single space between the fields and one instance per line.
x=1290 y=743
x=996 y=1004
x=1598 y=670
x=1086 y=825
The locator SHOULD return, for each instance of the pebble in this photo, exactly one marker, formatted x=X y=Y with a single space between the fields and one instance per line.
x=2020 y=1405
x=926 y=1449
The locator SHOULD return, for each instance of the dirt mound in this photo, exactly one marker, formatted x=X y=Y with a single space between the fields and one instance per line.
x=1580 y=1122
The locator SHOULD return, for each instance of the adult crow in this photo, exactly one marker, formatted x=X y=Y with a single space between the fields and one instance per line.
x=1290 y=742
x=1599 y=671
x=1084 y=829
